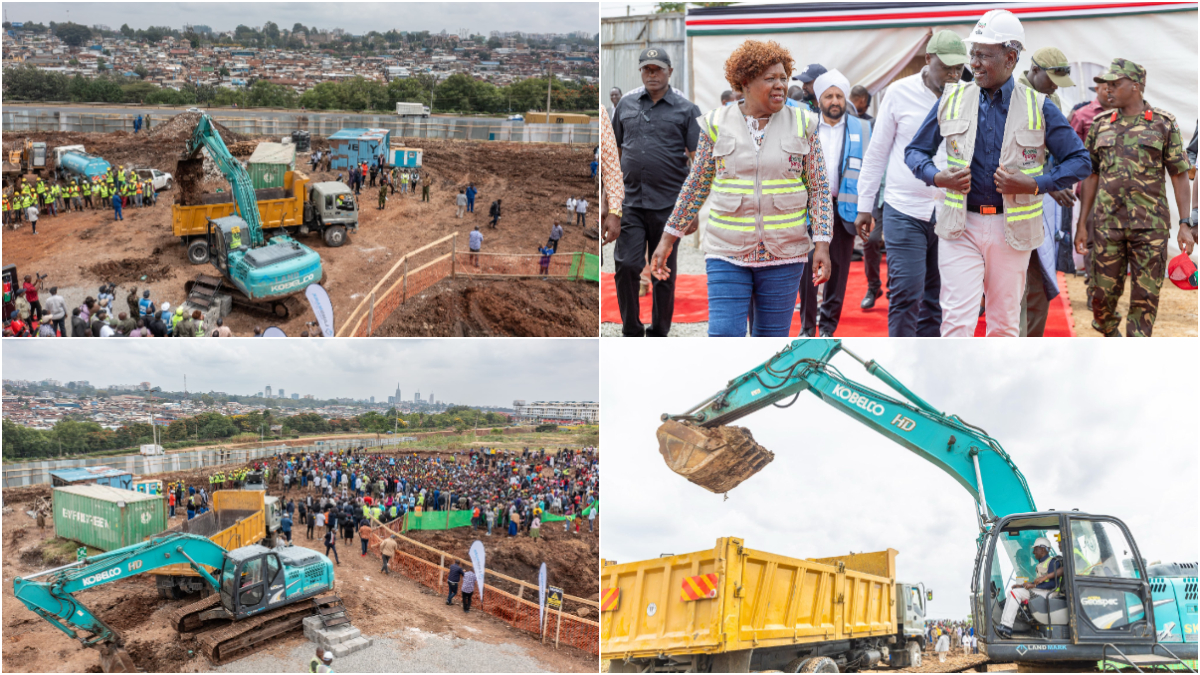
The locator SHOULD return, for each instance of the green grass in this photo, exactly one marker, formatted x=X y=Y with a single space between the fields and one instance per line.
x=60 y=551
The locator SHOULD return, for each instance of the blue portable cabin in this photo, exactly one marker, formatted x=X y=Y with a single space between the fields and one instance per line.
x=405 y=158
x=354 y=146
x=96 y=475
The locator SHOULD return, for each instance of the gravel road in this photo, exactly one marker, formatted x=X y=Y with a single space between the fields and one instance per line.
x=403 y=651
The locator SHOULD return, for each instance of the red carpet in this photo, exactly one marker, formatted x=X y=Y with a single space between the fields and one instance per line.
x=691 y=306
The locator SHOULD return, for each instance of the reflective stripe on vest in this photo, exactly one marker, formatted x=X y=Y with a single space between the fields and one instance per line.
x=858 y=135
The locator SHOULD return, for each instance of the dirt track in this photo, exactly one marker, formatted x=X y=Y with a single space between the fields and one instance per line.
x=489 y=308
x=79 y=251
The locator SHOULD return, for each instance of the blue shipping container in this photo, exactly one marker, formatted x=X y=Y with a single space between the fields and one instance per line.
x=405 y=158
x=98 y=475
x=354 y=146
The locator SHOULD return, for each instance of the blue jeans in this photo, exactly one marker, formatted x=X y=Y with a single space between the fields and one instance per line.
x=470 y=204
x=914 y=282
x=734 y=291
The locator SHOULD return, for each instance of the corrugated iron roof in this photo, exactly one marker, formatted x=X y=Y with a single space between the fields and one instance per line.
x=274 y=153
x=88 y=473
x=107 y=493
x=360 y=134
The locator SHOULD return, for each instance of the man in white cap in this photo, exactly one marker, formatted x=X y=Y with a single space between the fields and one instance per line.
x=322 y=662
x=997 y=133
x=844 y=141
x=1048 y=579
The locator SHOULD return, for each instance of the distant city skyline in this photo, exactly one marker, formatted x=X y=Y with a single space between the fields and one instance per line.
x=476 y=17
x=489 y=373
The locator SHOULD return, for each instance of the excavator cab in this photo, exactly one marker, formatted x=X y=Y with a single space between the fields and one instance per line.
x=256 y=578
x=1103 y=604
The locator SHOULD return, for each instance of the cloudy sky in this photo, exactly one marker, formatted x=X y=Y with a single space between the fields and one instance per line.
x=1107 y=427
x=473 y=372
x=357 y=18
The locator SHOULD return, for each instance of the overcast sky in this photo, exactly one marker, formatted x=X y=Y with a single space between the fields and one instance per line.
x=1107 y=427
x=493 y=372
x=357 y=18
x=611 y=9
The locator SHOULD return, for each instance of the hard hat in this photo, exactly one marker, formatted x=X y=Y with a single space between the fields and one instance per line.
x=166 y=306
x=997 y=27
x=1043 y=542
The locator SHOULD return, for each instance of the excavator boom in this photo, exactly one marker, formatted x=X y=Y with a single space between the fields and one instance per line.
x=205 y=136
x=700 y=445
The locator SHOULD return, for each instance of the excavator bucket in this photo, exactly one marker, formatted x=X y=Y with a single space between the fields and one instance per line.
x=114 y=659
x=717 y=459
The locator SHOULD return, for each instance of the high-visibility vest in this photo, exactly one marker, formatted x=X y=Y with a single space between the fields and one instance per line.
x=86 y=188
x=41 y=187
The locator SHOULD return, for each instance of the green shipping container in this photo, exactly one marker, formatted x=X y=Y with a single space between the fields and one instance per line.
x=106 y=517
x=269 y=163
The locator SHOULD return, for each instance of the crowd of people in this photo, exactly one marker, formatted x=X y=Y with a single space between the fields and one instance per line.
x=984 y=169
x=949 y=638
x=116 y=189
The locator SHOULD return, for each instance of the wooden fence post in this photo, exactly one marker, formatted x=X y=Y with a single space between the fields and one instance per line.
x=453 y=257
x=370 y=315
x=405 y=280
x=558 y=629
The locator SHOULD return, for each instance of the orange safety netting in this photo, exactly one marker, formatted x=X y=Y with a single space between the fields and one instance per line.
x=516 y=612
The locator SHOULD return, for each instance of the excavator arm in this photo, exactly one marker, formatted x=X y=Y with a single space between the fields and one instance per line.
x=205 y=136
x=697 y=443
x=50 y=594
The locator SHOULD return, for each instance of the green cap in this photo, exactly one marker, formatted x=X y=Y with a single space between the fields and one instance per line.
x=948 y=47
x=1054 y=62
x=1123 y=68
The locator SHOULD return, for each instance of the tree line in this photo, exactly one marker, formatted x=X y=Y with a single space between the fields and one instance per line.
x=77 y=435
x=458 y=93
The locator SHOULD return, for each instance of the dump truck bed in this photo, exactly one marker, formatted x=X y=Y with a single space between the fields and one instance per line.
x=285 y=211
x=733 y=598
x=237 y=519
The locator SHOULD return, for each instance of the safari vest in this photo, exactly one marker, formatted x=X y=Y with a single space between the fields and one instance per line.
x=858 y=136
x=758 y=193
x=1044 y=566
x=1023 y=149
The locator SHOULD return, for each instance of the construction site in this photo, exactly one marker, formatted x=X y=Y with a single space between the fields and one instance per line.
x=150 y=621
x=401 y=270
x=846 y=555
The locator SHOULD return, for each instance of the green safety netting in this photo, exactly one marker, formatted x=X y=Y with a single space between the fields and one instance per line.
x=437 y=520
x=585 y=266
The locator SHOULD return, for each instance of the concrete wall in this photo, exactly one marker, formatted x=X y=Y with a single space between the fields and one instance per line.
x=622 y=39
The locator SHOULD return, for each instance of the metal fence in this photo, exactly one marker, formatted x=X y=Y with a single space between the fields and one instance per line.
x=38 y=472
x=623 y=38
x=283 y=124
x=426 y=266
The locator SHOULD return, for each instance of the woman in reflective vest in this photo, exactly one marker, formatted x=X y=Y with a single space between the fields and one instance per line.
x=761 y=161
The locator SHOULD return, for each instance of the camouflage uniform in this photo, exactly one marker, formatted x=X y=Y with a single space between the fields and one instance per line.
x=1132 y=218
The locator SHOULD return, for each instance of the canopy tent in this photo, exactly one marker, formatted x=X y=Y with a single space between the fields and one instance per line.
x=874 y=42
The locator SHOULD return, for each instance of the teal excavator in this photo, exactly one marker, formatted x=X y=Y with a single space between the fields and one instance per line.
x=264 y=274
x=1111 y=607
x=257 y=594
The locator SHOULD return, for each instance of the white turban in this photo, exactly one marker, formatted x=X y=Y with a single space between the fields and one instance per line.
x=832 y=78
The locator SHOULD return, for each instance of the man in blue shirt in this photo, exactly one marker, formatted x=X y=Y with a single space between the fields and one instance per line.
x=471 y=192
x=286 y=526
x=982 y=258
x=475 y=243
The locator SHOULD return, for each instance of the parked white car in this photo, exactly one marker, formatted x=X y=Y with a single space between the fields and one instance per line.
x=161 y=180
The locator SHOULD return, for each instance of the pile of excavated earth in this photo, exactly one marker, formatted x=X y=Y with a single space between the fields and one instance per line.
x=80 y=251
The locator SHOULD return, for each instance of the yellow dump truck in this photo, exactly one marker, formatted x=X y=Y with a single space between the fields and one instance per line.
x=300 y=206
x=237 y=518
x=731 y=609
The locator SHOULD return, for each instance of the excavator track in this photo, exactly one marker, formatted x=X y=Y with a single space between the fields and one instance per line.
x=186 y=619
x=234 y=639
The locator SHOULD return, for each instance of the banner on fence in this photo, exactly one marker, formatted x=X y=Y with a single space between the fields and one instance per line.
x=478 y=558
x=542 y=595
x=437 y=520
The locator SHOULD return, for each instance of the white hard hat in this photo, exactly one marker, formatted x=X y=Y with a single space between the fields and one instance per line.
x=166 y=306
x=997 y=27
x=1044 y=542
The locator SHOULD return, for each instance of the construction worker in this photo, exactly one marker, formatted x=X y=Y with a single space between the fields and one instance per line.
x=1134 y=149
x=85 y=191
x=76 y=196
x=1047 y=580
x=382 y=196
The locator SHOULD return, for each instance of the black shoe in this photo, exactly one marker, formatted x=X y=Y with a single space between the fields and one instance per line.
x=1004 y=632
x=806 y=333
x=868 y=300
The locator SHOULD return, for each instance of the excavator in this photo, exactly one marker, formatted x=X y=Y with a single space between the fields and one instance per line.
x=258 y=593
x=1111 y=607
x=264 y=274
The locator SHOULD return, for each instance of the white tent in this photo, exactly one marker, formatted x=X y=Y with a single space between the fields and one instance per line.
x=874 y=42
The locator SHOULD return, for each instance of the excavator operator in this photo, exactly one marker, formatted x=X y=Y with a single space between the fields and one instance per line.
x=1048 y=580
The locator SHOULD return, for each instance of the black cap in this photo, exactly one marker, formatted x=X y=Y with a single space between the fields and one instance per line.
x=654 y=56
x=812 y=72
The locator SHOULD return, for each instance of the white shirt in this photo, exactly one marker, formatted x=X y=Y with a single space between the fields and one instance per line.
x=904 y=108
x=832 y=138
x=571 y=204
x=107 y=331
x=581 y=206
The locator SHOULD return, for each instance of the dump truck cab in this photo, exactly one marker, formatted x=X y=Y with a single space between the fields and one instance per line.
x=255 y=481
x=1103 y=607
x=331 y=209
x=255 y=578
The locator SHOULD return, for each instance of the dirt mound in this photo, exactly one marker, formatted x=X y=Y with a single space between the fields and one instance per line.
x=179 y=129
x=27 y=493
x=487 y=308
x=572 y=560
x=132 y=270
x=154 y=656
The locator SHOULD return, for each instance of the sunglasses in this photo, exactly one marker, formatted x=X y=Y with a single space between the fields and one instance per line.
x=1057 y=70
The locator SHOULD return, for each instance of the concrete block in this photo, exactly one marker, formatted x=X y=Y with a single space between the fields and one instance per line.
x=313 y=622
x=347 y=648
x=336 y=635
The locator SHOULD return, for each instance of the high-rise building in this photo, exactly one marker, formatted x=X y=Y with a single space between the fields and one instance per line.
x=267 y=389
x=417 y=397
x=281 y=394
x=397 y=398
x=431 y=399
x=391 y=400
x=372 y=400
x=295 y=397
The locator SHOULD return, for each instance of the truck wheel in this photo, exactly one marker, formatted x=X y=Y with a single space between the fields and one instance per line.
x=914 y=655
x=170 y=184
x=335 y=236
x=818 y=664
x=280 y=309
x=197 y=252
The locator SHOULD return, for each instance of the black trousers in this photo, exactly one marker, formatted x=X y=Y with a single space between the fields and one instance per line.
x=840 y=250
x=640 y=231
x=872 y=257
x=467 y=601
